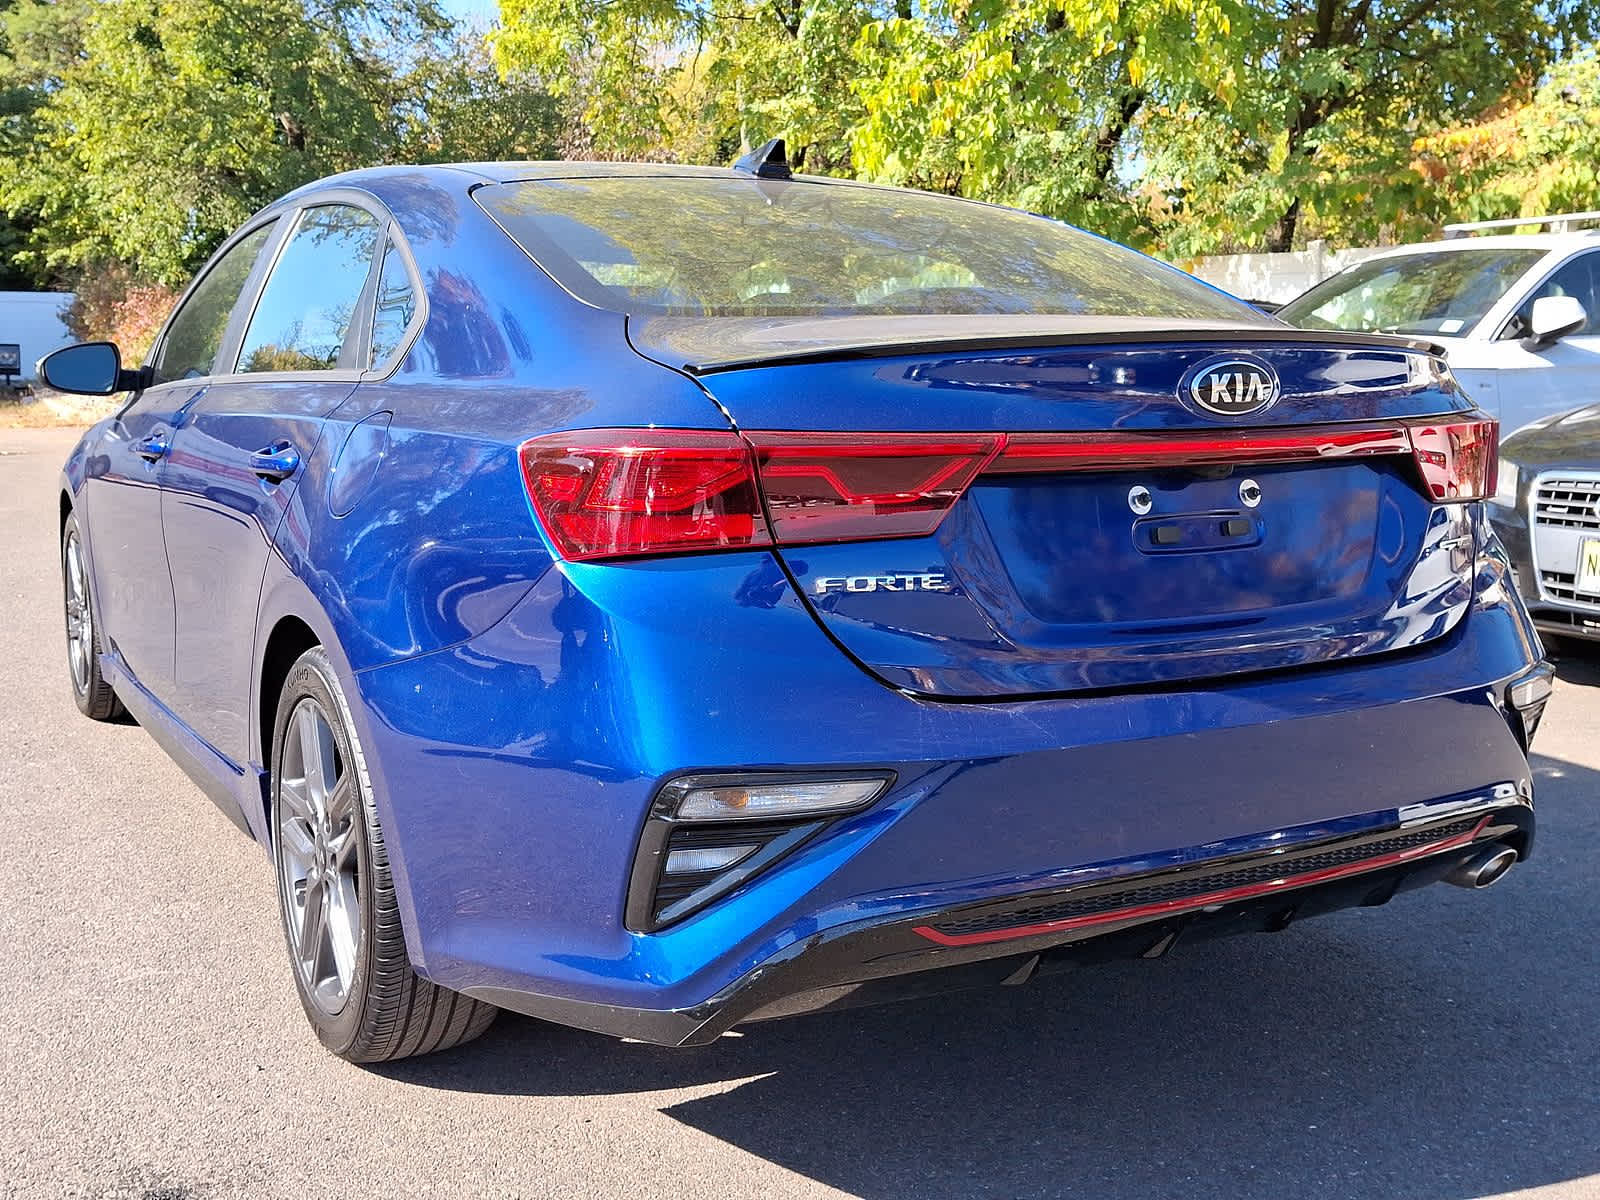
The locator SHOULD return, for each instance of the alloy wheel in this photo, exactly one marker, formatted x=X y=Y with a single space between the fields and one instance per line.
x=319 y=848
x=80 y=615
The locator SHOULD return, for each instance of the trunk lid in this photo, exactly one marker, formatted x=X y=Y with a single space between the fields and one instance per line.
x=1125 y=534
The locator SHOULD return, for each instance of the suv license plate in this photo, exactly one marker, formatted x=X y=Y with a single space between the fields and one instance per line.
x=1588 y=580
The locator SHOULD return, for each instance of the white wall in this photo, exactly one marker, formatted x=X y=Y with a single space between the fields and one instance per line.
x=1276 y=277
x=33 y=320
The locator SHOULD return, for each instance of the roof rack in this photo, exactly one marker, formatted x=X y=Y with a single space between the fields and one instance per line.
x=1557 y=223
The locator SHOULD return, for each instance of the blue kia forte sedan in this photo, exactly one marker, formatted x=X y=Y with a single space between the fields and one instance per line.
x=656 y=598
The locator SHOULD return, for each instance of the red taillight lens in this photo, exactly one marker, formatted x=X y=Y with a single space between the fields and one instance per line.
x=616 y=493
x=846 y=487
x=611 y=493
x=1458 y=459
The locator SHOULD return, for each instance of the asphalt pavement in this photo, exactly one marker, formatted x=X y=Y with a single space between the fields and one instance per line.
x=1446 y=1045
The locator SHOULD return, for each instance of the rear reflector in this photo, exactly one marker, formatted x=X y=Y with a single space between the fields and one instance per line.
x=619 y=493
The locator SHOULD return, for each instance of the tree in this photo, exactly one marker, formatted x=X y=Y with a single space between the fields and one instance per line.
x=37 y=42
x=1526 y=159
x=676 y=79
x=179 y=120
x=458 y=107
x=1038 y=103
x=1331 y=97
x=1195 y=124
x=151 y=128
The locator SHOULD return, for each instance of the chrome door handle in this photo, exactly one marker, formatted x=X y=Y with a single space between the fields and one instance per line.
x=276 y=462
x=154 y=446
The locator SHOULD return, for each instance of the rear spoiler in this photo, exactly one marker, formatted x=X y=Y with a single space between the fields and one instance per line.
x=707 y=345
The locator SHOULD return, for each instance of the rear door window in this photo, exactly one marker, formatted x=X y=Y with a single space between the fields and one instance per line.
x=393 y=307
x=195 y=332
x=303 y=320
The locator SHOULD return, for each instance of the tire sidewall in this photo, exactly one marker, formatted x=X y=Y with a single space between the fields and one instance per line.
x=312 y=676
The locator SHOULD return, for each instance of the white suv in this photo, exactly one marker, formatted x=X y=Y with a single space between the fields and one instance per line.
x=1518 y=315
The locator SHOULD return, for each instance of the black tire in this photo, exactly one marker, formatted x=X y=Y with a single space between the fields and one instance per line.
x=336 y=896
x=93 y=694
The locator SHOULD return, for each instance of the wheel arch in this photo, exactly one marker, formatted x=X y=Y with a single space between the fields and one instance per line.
x=288 y=639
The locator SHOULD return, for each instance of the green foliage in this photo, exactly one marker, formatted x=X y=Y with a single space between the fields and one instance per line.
x=1195 y=125
x=459 y=108
x=1331 y=98
x=152 y=128
x=1536 y=158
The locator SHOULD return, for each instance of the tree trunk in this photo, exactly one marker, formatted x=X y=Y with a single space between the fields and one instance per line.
x=1282 y=239
x=1112 y=132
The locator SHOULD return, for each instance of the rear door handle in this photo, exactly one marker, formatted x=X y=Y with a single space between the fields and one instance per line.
x=154 y=446
x=276 y=462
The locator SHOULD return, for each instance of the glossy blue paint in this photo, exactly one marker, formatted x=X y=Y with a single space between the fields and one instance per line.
x=1049 y=590
x=120 y=494
x=1346 y=662
x=219 y=518
x=1120 y=387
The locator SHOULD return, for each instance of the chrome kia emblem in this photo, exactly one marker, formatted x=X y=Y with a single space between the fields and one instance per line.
x=1233 y=387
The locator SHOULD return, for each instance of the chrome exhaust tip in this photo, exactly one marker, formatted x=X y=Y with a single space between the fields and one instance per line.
x=1484 y=868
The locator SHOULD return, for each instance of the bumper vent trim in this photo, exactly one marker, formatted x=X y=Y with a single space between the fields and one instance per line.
x=1191 y=889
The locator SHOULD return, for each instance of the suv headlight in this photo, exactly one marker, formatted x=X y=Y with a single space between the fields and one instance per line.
x=1507 y=483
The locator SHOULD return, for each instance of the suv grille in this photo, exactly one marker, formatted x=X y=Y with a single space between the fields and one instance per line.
x=1568 y=503
x=1560 y=585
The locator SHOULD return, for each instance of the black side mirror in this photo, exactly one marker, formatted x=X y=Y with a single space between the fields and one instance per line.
x=89 y=369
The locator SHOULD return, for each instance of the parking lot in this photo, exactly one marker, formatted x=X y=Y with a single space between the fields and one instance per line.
x=151 y=1045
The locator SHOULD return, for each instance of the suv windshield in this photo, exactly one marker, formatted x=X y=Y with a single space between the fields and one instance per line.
x=1443 y=292
x=705 y=246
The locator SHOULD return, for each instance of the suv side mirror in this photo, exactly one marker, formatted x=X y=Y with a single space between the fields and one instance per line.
x=1553 y=318
x=89 y=369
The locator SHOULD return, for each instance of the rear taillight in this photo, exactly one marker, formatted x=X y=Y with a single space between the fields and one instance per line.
x=839 y=488
x=620 y=493
x=1458 y=459
x=615 y=493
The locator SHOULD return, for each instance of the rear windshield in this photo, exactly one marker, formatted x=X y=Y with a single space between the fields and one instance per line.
x=738 y=247
x=1443 y=292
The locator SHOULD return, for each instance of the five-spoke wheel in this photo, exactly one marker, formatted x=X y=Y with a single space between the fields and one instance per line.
x=319 y=868
x=335 y=893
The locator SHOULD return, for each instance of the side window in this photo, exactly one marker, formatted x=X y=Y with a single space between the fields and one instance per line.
x=1578 y=277
x=195 y=333
x=312 y=295
x=393 y=307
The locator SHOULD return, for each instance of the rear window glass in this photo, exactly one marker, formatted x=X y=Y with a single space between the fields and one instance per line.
x=739 y=247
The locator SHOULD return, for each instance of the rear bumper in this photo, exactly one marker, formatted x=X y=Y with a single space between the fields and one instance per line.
x=1138 y=916
x=514 y=774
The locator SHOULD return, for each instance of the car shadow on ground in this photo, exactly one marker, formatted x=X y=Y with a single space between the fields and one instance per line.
x=1576 y=661
x=1442 y=1046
